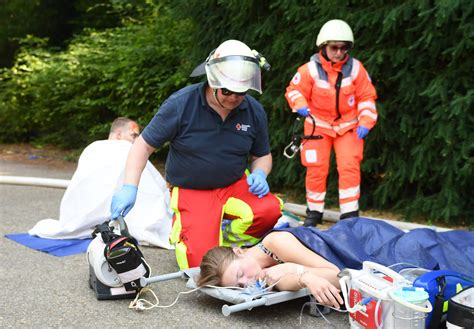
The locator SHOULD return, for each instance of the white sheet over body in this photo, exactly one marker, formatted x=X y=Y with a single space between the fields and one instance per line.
x=86 y=202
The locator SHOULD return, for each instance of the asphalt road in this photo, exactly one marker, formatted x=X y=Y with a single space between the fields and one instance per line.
x=39 y=290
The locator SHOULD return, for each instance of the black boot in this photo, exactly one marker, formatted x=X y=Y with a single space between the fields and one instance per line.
x=313 y=218
x=349 y=215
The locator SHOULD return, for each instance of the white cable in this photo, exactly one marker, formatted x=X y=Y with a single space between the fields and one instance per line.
x=320 y=313
x=140 y=304
x=377 y=307
x=149 y=267
x=137 y=303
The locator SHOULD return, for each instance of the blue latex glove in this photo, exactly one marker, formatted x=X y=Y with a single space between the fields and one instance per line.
x=123 y=201
x=362 y=132
x=304 y=111
x=257 y=181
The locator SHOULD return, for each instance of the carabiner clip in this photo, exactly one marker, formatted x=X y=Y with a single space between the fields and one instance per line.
x=293 y=148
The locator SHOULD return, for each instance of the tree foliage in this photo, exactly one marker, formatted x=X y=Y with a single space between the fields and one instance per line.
x=43 y=18
x=58 y=20
x=419 y=158
x=68 y=98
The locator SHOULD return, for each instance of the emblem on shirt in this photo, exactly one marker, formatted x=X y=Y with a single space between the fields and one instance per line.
x=242 y=127
x=351 y=100
x=296 y=78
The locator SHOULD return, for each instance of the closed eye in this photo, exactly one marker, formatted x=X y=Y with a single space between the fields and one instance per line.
x=240 y=274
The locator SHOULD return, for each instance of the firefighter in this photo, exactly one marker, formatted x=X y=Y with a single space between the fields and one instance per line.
x=213 y=128
x=335 y=95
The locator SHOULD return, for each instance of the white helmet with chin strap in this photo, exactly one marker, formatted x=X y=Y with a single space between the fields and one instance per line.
x=335 y=30
x=233 y=66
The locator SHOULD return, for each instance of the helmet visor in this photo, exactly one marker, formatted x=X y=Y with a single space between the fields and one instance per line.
x=235 y=73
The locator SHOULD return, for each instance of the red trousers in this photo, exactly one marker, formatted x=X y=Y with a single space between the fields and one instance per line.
x=198 y=218
x=315 y=156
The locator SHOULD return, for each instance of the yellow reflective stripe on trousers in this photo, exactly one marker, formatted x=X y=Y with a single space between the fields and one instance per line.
x=180 y=247
x=235 y=232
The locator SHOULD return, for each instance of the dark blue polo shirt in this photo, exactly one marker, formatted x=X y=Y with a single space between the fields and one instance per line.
x=206 y=152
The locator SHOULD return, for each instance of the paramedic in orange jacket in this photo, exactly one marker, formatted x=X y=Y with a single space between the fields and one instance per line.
x=335 y=90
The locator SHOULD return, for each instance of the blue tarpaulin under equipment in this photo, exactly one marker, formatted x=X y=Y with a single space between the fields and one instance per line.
x=54 y=247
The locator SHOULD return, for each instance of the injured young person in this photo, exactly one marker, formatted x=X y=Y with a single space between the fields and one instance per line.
x=303 y=257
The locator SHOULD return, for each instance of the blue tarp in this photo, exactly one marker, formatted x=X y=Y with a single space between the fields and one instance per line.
x=351 y=241
x=54 y=247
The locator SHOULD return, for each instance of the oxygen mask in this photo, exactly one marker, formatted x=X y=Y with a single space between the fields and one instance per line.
x=257 y=287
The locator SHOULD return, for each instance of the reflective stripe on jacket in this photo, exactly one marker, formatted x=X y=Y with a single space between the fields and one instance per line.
x=314 y=86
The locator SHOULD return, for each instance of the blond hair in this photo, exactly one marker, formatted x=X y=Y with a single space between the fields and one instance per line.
x=213 y=265
x=120 y=123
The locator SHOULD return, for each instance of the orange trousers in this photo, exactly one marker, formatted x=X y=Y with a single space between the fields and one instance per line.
x=315 y=156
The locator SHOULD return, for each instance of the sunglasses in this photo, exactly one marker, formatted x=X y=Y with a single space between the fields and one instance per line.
x=227 y=92
x=335 y=48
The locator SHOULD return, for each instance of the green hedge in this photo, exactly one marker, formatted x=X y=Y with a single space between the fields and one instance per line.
x=69 y=98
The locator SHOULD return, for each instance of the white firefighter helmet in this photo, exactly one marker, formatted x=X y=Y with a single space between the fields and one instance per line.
x=233 y=66
x=335 y=30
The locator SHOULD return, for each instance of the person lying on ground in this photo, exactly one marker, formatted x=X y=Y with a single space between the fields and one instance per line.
x=294 y=258
x=279 y=258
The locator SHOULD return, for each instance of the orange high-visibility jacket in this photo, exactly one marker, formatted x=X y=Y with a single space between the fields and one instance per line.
x=314 y=86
